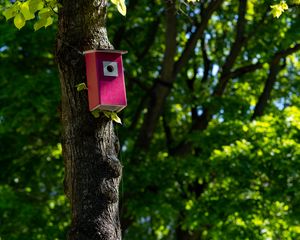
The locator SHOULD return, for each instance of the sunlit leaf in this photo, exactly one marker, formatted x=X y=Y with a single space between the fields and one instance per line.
x=35 y=5
x=115 y=118
x=49 y=21
x=81 y=86
x=19 y=20
x=45 y=12
x=40 y=23
x=122 y=7
x=96 y=113
x=278 y=9
x=26 y=12
x=11 y=11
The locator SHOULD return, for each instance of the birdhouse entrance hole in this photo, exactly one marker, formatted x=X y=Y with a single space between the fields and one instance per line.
x=110 y=68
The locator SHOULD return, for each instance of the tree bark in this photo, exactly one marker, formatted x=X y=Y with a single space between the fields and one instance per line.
x=90 y=146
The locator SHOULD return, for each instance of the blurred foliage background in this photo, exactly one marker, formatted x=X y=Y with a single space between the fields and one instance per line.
x=235 y=177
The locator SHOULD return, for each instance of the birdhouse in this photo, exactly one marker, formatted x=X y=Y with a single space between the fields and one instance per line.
x=105 y=80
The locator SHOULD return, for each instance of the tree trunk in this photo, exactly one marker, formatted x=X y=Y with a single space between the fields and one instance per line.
x=90 y=146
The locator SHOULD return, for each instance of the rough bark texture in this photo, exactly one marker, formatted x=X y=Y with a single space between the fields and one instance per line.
x=90 y=146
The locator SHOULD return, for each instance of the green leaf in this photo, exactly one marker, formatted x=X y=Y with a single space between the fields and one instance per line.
x=120 y=6
x=35 y=5
x=26 y=12
x=107 y=114
x=44 y=21
x=10 y=12
x=115 y=118
x=96 y=113
x=49 y=21
x=40 y=23
x=45 y=13
x=19 y=20
x=278 y=9
x=81 y=86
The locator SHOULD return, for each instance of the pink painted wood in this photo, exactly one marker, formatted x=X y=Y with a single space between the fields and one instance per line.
x=105 y=80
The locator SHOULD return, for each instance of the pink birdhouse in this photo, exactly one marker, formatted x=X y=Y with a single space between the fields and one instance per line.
x=105 y=80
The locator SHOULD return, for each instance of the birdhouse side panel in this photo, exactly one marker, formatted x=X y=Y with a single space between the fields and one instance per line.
x=111 y=83
x=112 y=93
x=92 y=74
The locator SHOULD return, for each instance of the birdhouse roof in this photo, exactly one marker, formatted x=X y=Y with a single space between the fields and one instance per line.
x=105 y=51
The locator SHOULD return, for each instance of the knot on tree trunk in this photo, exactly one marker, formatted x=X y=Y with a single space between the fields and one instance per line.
x=111 y=171
x=111 y=167
x=107 y=191
x=98 y=229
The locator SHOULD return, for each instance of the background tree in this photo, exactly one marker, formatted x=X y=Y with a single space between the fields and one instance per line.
x=211 y=134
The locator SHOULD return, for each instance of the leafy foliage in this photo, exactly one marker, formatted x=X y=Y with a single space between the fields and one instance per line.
x=24 y=11
x=278 y=9
x=43 y=11
x=109 y=114
x=32 y=202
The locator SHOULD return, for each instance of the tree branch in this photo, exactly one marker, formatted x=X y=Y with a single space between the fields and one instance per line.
x=244 y=69
x=152 y=32
x=168 y=133
x=122 y=29
x=162 y=85
x=190 y=84
x=138 y=82
x=236 y=48
x=271 y=79
x=206 y=61
x=195 y=36
x=151 y=37
x=138 y=112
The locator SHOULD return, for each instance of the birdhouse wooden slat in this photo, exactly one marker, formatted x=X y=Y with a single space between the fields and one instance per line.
x=105 y=80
